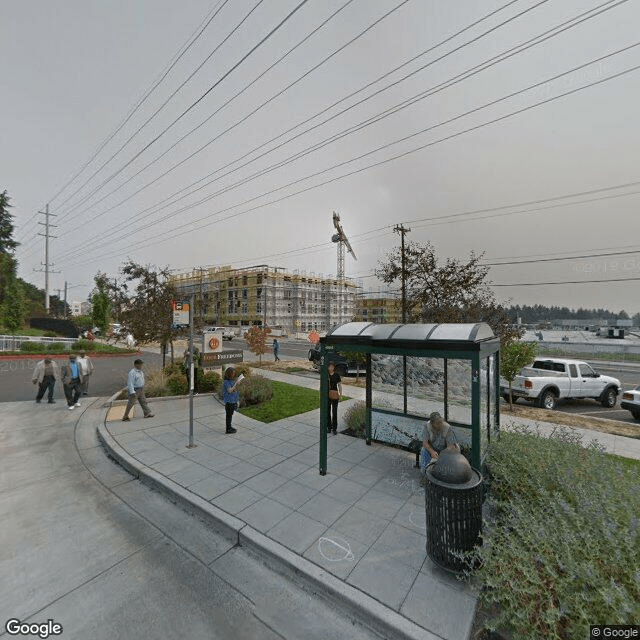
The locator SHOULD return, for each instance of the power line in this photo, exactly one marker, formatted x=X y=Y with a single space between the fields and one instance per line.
x=204 y=95
x=151 y=117
x=172 y=63
x=175 y=234
x=458 y=78
x=237 y=123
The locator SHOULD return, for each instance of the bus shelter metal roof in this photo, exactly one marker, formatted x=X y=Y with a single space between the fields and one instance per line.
x=414 y=337
x=469 y=341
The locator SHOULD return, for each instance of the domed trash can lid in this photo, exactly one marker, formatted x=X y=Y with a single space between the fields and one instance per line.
x=452 y=468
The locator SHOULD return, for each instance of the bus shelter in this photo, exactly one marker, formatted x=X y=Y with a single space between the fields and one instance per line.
x=415 y=369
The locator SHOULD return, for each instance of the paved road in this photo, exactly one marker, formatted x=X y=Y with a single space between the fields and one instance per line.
x=110 y=375
x=88 y=546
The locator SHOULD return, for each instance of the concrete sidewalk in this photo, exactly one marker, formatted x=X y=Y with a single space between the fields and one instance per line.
x=357 y=535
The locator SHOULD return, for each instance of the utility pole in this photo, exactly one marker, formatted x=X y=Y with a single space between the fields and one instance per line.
x=64 y=309
x=401 y=229
x=46 y=263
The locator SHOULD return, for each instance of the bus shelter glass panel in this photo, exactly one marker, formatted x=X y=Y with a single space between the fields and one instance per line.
x=484 y=406
x=386 y=382
x=425 y=385
x=459 y=391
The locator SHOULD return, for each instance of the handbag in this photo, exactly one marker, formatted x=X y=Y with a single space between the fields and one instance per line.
x=333 y=394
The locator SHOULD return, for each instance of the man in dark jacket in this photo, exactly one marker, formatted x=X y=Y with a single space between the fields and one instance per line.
x=72 y=381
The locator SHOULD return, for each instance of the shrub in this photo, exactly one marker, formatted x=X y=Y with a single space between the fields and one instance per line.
x=82 y=345
x=562 y=549
x=173 y=367
x=208 y=381
x=255 y=390
x=354 y=418
x=33 y=347
x=56 y=347
x=155 y=383
x=243 y=369
x=177 y=384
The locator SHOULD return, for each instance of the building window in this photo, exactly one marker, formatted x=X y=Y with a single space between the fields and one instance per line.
x=259 y=307
x=244 y=294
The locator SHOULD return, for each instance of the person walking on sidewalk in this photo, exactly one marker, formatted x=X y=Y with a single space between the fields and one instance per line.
x=72 y=381
x=86 y=366
x=230 y=396
x=45 y=374
x=276 y=349
x=335 y=391
x=135 y=387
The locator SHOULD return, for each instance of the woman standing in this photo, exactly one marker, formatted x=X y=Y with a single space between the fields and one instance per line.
x=437 y=436
x=335 y=391
x=230 y=396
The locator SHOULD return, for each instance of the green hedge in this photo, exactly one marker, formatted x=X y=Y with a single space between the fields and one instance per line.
x=208 y=381
x=56 y=347
x=177 y=384
x=33 y=347
x=562 y=549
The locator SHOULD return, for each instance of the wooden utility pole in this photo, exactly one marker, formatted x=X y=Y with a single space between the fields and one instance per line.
x=401 y=229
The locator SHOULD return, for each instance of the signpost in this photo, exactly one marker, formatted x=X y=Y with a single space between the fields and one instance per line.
x=182 y=317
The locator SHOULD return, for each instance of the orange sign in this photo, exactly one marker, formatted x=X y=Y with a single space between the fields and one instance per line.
x=314 y=337
x=214 y=343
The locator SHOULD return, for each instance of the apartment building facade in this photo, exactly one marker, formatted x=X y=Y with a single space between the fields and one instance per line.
x=269 y=296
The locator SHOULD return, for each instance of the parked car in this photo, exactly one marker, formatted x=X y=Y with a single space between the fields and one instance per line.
x=342 y=366
x=631 y=402
x=227 y=334
x=549 y=379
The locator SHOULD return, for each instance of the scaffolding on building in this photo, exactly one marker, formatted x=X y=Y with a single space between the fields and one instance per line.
x=263 y=295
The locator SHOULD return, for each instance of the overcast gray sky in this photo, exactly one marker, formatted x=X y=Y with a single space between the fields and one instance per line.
x=232 y=157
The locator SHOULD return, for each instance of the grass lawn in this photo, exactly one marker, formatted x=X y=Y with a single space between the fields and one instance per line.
x=288 y=400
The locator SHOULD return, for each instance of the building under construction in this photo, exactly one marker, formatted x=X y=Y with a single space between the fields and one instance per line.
x=269 y=296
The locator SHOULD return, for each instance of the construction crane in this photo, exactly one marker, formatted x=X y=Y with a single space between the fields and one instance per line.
x=342 y=241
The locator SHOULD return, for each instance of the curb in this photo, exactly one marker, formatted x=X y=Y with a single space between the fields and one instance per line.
x=366 y=610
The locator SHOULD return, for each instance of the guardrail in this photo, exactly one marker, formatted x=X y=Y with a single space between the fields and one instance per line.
x=13 y=343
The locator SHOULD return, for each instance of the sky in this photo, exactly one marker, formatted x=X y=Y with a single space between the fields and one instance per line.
x=227 y=132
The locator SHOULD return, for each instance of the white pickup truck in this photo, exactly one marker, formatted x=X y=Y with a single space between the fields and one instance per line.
x=549 y=379
x=227 y=334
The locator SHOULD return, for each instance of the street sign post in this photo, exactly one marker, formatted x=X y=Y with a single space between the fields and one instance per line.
x=181 y=313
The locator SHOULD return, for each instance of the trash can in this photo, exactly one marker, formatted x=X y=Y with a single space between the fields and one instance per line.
x=453 y=501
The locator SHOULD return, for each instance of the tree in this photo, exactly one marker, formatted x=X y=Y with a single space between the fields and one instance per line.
x=7 y=248
x=147 y=312
x=513 y=356
x=455 y=291
x=14 y=307
x=7 y=243
x=257 y=339
x=101 y=302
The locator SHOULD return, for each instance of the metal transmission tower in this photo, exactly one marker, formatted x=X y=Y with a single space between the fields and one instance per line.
x=46 y=264
x=342 y=241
